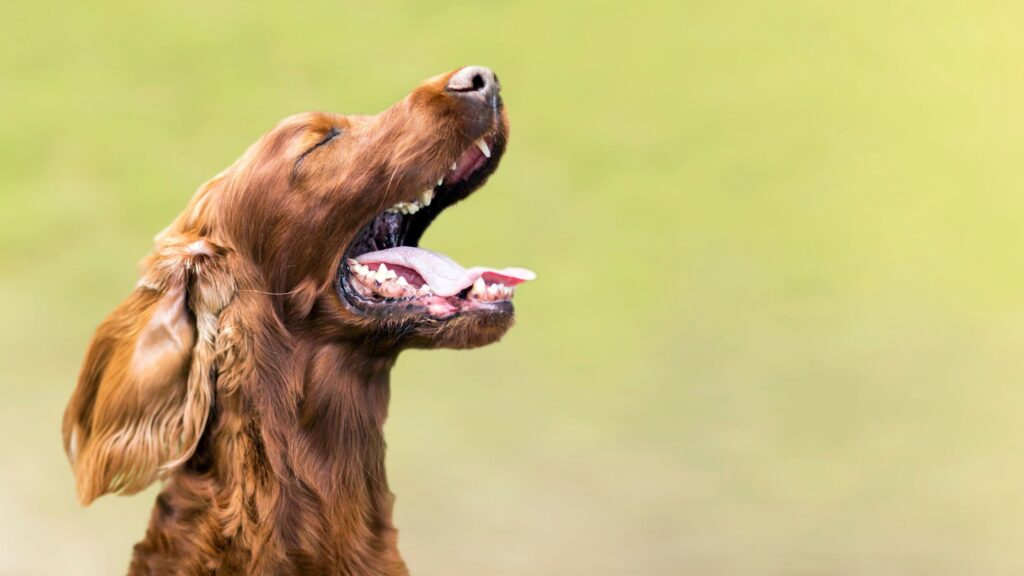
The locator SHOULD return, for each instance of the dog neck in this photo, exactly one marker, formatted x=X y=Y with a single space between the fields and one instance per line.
x=289 y=477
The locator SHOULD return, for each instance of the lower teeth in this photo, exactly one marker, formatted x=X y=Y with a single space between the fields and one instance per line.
x=388 y=284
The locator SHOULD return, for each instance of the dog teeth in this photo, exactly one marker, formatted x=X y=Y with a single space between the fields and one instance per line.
x=427 y=196
x=388 y=284
x=383 y=274
x=479 y=287
x=489 y=292
x=483 y=147
x=358 y=268
x=424 y=200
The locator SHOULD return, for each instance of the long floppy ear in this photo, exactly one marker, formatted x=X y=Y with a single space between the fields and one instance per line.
x=146 y=384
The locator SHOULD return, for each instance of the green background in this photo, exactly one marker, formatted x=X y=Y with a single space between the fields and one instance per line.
x=780 y=310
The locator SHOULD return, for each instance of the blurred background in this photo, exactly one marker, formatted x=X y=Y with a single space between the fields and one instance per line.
x=781 y=300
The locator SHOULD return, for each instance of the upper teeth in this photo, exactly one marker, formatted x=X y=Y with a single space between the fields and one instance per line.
x=483 y=147
x=425 y=198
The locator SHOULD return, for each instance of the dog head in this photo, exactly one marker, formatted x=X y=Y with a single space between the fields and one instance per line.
x=321 y=217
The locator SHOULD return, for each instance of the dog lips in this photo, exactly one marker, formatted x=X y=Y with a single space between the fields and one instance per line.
x=445 y=276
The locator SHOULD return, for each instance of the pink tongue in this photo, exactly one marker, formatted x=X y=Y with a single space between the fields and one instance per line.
x=444 y=275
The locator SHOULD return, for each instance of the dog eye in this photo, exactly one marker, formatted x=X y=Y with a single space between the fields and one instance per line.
x=330 y=135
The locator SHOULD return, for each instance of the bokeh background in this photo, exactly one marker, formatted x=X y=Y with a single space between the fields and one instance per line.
x=780 y=313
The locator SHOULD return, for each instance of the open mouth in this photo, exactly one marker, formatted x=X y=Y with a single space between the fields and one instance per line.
x=385 y=272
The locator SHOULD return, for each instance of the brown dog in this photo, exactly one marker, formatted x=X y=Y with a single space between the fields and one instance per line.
x=250 y=366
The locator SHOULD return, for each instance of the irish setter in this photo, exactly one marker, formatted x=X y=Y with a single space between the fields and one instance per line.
x=249 y=369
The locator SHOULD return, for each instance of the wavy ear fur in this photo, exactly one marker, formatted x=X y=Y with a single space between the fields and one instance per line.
x=146 y=384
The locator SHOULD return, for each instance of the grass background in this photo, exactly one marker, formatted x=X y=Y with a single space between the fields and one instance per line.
x=779 y=317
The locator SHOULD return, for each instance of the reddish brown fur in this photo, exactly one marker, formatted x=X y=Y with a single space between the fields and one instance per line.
x=235 y=371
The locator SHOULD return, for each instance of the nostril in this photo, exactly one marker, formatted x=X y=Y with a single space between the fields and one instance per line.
x=474 y=79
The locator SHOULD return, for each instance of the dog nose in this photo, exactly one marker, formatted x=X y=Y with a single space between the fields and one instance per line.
x=475 y=80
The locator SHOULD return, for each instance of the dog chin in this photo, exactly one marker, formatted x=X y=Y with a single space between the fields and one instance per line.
x=471 y=329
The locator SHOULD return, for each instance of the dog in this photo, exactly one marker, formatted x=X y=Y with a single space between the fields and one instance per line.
x=249 y=368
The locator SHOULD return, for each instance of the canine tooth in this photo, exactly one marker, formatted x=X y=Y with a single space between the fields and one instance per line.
x=440 y=180
x=455 y=165
x=483 y=147
x=427 y=197
x=479 y=287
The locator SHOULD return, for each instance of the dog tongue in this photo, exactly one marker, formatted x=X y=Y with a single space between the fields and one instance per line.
x=445 y=276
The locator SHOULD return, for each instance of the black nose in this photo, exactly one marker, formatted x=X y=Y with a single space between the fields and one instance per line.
x=475 y=80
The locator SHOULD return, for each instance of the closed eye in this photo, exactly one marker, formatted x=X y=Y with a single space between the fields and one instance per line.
x=334 y=132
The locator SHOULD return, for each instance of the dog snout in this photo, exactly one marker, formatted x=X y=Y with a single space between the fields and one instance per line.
x=475 y=82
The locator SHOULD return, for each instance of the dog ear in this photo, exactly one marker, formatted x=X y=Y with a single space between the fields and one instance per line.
x=146 y=385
